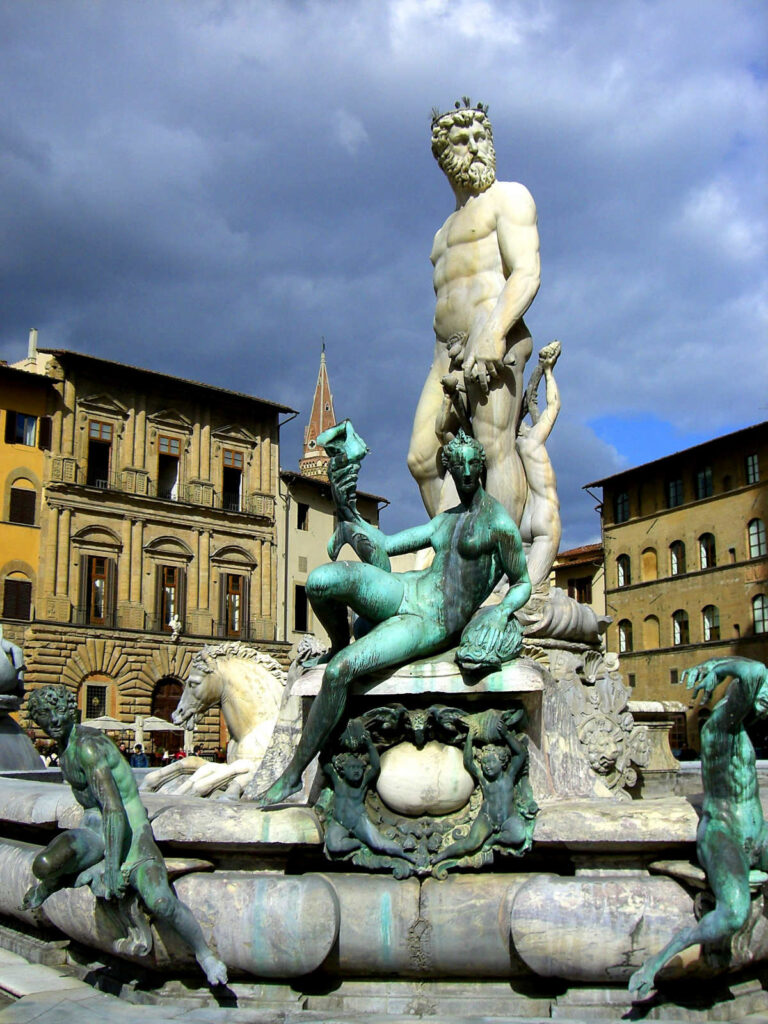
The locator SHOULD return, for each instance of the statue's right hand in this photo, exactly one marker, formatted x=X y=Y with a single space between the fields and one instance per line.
x=115 y=885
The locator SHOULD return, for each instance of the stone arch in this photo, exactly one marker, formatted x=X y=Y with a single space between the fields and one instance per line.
x=15 y=565
x=97 y=536
x=95 y=656
x=168 y=660
x=234 y=555
x=168 y=546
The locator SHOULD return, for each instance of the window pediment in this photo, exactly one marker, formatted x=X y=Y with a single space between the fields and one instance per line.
x=97 y=536
x=233 y=432
x=171 y=418
x=168 y=547
x=233 y=555
x=103 y=404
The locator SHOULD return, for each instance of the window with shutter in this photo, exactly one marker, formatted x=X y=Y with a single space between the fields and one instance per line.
x=22 y=506
x=17 y=599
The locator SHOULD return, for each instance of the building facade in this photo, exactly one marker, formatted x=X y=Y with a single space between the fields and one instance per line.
x=307 y=519
x=686 y=563
x=158 y=533
x=580 y=572
x=307 y=522
x=25 y=435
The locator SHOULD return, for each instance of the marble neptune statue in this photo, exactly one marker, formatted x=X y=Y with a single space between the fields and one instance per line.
x=414 y=614
x=486 y=275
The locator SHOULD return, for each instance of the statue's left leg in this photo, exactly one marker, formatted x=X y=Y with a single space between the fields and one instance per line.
x=391 y=642
x=494 y=420
x=150 y=880
x=472 y=841
x=59 y=864
x=727 y=869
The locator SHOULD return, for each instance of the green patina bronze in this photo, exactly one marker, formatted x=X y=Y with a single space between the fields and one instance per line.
x=508 y=812
x=413 y=614
x=351 y=773
x=732 y=836
x=114 y=852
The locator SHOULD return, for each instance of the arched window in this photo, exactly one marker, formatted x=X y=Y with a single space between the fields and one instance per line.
x=756 y=535
x=649 y=564
x=623 y=574
x=17 y=596
x=710 y=617
x=625 y=636
x=707 y=554
x=21 y=507
x=677 y=558
x=621 y=507
x=760 y=613
x=651 y=633
x=681 y=633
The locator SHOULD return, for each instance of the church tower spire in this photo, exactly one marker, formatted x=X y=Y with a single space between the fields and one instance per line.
x=314 y=461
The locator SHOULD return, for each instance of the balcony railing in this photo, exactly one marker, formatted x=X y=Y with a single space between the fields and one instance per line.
x=254 y=504
x=157 y=624
x=256 y=629
x=84 y=617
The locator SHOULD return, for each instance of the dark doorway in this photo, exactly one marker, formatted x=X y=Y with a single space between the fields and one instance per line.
x=165 y=699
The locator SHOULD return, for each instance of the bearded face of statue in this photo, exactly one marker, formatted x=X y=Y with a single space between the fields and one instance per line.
x=465 y=153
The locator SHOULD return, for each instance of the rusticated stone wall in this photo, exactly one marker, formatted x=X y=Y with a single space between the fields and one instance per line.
x=130 y=663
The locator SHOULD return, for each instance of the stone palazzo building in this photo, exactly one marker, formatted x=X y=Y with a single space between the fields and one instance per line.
x=686 y=564
x=158 y=534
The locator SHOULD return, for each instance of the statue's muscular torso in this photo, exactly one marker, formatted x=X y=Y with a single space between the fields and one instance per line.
x=470 y=271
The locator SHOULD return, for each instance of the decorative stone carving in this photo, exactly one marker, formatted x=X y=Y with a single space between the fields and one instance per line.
x=441 y=820
x=591 y=687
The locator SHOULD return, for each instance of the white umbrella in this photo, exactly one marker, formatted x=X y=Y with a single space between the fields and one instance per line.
x=154 y=724
x=107 y=724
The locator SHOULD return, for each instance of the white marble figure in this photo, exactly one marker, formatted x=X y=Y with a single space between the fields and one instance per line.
x=486 y=275
x=540 y=527
x=248 y=685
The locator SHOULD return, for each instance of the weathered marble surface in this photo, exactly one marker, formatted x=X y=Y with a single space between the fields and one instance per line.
x=181 y=820
x=594 y=929
x=438 y=674
x=260 y=923
x=428 y=781
x=579 y=824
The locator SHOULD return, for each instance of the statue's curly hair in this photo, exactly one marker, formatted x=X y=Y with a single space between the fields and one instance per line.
x=51 y=698
x=461 y=440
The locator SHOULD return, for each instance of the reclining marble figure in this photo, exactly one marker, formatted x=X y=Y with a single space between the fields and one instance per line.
x=413 y=614
x=114 y=851
x=732 y=836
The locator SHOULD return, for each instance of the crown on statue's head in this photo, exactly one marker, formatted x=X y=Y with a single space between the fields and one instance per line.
x=465 y=103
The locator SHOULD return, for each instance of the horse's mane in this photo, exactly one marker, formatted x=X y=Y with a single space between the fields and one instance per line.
x=205 y=660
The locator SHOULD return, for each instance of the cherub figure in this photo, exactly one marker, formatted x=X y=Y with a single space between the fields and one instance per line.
x=732 y=837
x=350 y=828
x=499 y=817
x=114 y=850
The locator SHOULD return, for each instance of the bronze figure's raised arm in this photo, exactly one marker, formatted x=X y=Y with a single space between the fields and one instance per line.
x=414 y=614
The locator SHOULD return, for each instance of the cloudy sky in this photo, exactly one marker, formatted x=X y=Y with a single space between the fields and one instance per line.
x=209 y=188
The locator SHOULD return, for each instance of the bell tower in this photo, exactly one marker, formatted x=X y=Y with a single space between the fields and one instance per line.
x=314 y=461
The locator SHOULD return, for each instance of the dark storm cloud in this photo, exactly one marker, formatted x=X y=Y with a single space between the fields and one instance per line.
x=208 y=188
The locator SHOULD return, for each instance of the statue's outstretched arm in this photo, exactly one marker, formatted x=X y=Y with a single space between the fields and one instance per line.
x=115 y=822
x=750 y=675
x=542 y=428
x=469 y=761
